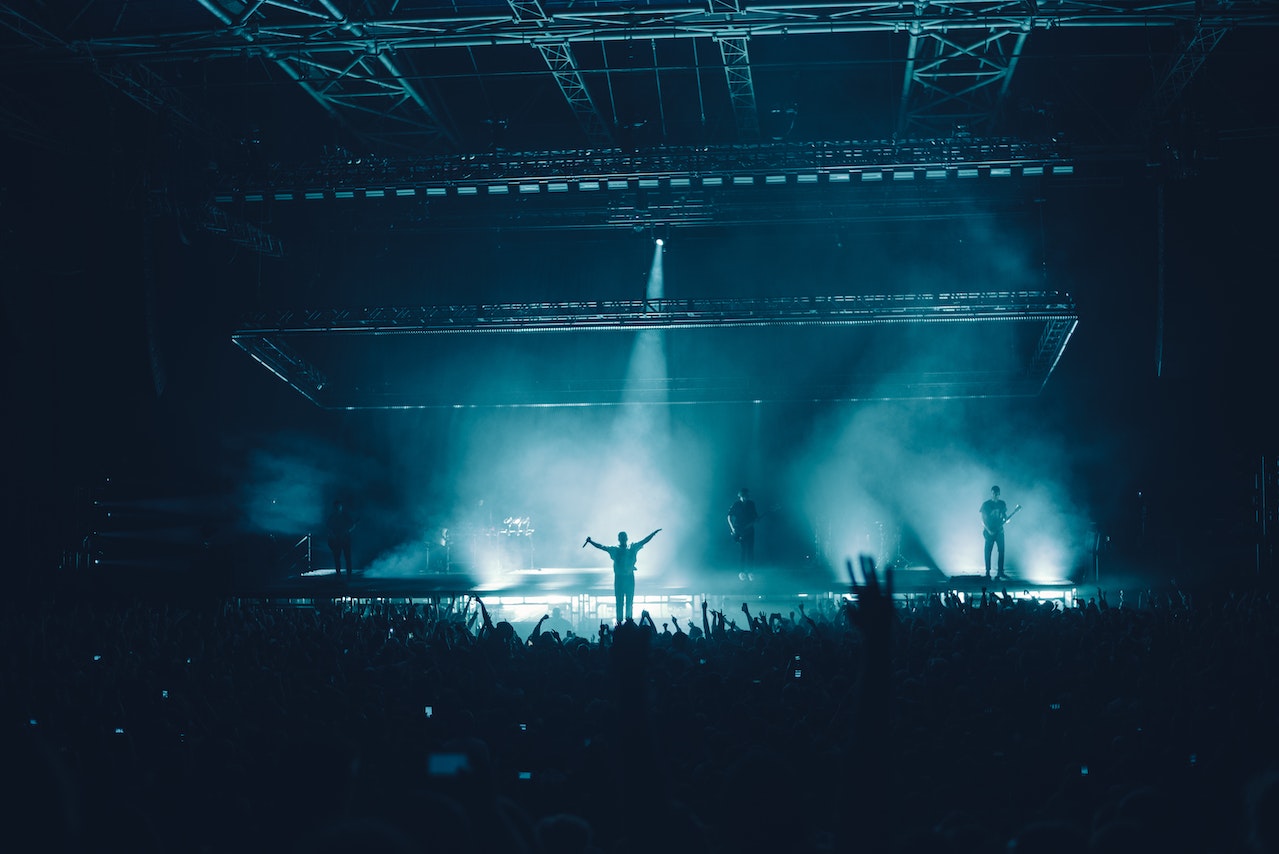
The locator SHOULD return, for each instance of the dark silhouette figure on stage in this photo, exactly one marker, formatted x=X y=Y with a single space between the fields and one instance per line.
x=623 y=556
x=340 y=525
x=742 y=517
x=994 y=513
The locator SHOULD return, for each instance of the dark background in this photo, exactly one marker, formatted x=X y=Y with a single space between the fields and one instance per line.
x=117 y=312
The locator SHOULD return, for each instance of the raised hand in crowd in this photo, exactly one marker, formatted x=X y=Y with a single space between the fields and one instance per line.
x=873 y=613
x=537 y=630
x=812 y=624
x=872 y=609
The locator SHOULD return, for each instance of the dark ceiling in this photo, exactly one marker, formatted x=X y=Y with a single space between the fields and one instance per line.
x=433 y=116
x=285 y=85
x=399 y=152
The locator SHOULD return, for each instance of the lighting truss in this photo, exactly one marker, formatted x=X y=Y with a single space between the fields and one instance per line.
x=960 y=55
x=1195 y=48
x=562 y=63
x=274 y=354
x=669 y=167
x=365 y=81
x=241 y=233
x=864 y=347
x=958 y=79
x=278 y=29
x=734 y=51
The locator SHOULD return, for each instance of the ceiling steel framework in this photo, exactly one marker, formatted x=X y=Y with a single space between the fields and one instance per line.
x=959 y=55
x=277 y=341
x=297 y=30
x=956 y=82
x=371 y=67
x=563 y=65
x=734 y=50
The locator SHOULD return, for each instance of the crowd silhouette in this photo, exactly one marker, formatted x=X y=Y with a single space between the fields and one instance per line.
x=932 y=723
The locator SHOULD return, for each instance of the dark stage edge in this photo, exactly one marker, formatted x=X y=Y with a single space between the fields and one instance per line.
x=533 y=586
x=585 y=600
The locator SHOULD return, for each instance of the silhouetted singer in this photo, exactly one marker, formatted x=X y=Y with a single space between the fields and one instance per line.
x=623 y=556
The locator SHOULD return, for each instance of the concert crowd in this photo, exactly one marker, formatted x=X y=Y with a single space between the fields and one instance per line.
x=867 y=723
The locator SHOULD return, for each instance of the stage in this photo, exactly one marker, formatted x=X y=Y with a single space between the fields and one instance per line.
x=584 y=597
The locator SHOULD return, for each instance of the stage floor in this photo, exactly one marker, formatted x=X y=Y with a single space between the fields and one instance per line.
x=585 y=596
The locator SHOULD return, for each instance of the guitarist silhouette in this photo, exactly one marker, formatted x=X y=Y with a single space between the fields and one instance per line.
x=340 y=524
x=742 y=517
x=994 y=516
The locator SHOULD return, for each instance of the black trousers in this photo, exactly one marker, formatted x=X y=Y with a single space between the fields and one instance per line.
x=624 y=593
x=341 y=548
x=993 y=540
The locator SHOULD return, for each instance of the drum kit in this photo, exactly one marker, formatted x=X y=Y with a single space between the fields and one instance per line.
x=509 y=544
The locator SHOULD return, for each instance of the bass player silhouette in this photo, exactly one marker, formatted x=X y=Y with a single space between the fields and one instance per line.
x=994 y=516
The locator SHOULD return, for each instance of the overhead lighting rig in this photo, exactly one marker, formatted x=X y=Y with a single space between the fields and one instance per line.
x=673 y=167
x=452 y=368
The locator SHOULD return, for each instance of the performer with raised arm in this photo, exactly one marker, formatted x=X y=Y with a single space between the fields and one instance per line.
x=623 y=555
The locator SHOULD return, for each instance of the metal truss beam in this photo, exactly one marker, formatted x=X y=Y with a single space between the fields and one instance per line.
x=1178 y=147
x=1195 y=48
x=39 y=37
x=136 y=81
x=265 y=336
x=956 y=81
x=279 y=358
x=312 y=35
x=563 y=65
x=363 y=78
x=960 y=54
x=1051 y=346
x=741 y=86
x=559 y=58
x=156 y=95
x=241 y=233
x=215 y=220
x=735 y=52
x=677 y=167
x=672 y=314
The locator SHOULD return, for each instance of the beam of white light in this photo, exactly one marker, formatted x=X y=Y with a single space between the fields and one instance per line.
x=637 y=493
x=919 y=467
x=656 y=280
x=1041 y=546
x=573 y=472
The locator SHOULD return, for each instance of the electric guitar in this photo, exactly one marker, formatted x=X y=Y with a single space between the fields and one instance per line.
x=337 y=535
x=998 y=526
x=739 y=533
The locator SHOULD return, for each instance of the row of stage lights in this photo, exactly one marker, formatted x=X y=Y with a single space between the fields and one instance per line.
x=505 y=188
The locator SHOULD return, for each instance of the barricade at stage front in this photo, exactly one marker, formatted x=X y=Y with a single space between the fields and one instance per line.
x=583 y=598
